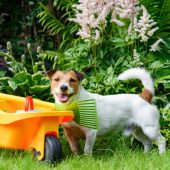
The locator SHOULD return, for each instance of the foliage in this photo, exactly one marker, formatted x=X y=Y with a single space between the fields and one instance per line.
x=161 y=14
x=53 y=24
x=58 y=25
x=23 y=82
x=15 y=66
x=166 y=120
x=18 y=24
x=114 y=52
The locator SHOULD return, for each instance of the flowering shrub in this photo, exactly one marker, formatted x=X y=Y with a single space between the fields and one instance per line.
x=93 y=16
x=113 y=35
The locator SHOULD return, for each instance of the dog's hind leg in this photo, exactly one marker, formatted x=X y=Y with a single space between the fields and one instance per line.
x=153 y=133
x=141 y=137
x=90 y=141
x=161 y=142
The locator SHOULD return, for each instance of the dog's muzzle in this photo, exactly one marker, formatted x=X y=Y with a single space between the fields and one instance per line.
x=63 y=88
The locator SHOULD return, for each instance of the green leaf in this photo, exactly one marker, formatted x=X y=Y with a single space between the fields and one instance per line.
x=156 y=65
x=110 y=70
x=12 y=84
x=22 y=77
x=5 y=55
x=37 y=78
x=35 y=68
x=119 y=61
x=38 y=89
x=4 y=80
x=2 y=73
x=164 y=80
x=45 y=81
x=119 y=42
x=167 y=85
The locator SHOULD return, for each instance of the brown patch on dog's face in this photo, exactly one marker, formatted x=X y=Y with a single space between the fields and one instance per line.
x=64 y=85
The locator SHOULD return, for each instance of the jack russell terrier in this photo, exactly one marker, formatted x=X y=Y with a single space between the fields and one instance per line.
x=133 y=113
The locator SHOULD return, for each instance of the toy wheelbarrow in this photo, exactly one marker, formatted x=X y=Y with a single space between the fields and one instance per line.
x=37 y=130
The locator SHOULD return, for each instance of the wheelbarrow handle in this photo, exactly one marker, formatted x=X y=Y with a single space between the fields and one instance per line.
x=29 y=103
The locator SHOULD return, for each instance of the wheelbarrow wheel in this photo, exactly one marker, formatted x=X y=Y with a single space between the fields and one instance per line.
x=52 y=150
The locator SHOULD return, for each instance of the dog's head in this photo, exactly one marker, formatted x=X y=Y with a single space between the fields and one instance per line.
x=65 y=86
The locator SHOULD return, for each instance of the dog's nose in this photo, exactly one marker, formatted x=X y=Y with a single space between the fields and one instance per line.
x=63 y=87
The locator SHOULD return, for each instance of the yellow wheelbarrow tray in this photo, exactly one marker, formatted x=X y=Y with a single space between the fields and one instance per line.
x=28 y=130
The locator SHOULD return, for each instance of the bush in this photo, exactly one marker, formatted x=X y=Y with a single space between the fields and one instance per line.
x=26 y=80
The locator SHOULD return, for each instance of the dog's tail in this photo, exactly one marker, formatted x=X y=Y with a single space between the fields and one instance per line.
x=144 y=76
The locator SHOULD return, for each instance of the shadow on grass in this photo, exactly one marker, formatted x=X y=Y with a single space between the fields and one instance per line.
x=109 y=145
x=106 y=146
x=11 y=153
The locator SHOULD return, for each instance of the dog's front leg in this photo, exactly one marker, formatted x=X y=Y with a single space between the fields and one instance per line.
x=73 y=142
x=74 y=145
x=90 y=141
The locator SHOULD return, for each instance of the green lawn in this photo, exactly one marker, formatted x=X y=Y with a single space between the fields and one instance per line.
x=110 y=153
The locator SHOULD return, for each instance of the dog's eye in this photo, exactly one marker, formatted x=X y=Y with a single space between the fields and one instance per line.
x=57 y=79
x=72 y=80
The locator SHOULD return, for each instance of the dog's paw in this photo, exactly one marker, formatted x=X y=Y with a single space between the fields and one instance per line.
x=87 y=154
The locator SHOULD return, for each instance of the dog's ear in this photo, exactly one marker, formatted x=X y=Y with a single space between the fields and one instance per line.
x=50 y=73
x=80 y=75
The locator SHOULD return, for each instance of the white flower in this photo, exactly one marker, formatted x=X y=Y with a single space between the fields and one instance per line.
x=144 y=25
x=9 y=45
x=135 y=54
x=38 y=49
x=29 y=46
x=91 y=15
x=155 y=46
x=83 y=34
x=151 y=32
x=97 y=34
x=118 y=22
x=136 y=57
x=144 y=38
x=130 y=29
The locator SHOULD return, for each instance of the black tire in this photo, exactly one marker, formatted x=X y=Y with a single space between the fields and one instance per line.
x=52 y=150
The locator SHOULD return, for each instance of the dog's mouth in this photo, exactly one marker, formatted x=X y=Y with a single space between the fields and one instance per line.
x=63 y=98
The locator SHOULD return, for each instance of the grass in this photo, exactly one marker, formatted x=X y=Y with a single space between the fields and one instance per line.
x=110 y=153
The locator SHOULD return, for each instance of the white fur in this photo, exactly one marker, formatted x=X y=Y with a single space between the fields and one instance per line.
x=127 y=112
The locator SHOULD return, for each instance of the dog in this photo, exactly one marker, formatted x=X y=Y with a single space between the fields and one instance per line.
x=132 y=113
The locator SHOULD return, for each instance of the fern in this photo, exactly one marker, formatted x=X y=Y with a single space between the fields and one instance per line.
x=55 y=26
x=48 y=21
x=65 y=5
